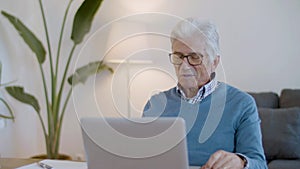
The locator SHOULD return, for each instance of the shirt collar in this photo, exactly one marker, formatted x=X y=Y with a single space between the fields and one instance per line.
x=203 y=92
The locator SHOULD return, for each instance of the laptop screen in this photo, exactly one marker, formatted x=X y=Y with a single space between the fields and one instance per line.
x=112 y=143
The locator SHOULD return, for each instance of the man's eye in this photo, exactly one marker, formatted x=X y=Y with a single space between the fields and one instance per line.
x=179 y=55
x=195 y=56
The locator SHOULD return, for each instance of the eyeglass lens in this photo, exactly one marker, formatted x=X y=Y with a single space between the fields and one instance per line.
x=193 y=58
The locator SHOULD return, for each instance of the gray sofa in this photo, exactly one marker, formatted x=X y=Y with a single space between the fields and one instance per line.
x=280 y=125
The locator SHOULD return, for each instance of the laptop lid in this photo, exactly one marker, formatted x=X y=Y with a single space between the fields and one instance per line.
x=136 y=143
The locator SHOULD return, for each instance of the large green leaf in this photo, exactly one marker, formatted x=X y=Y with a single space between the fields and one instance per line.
x=31 y=40
x=18 y=93
x=83 y=19
x=82 y=73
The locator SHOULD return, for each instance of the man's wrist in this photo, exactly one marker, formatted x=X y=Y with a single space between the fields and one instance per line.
x=244 y=159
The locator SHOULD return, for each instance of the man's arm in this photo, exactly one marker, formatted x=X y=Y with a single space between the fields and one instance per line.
x=248 y=137
x=248 y=151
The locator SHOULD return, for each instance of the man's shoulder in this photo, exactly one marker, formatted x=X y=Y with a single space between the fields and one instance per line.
x=236 y=93
x=169 y=92
x=158 y=102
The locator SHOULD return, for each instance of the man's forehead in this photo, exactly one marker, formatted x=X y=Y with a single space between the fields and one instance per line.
x=194 y=44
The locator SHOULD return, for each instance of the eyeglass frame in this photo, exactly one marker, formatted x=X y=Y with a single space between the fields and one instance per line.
x=187 y=57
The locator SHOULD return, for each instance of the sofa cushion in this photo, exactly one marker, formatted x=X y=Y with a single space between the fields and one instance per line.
x=266 y=99
x=281 y=132
x=284 y=164
x=290 y=98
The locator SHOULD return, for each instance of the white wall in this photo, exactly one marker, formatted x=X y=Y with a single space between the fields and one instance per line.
x=259 y=42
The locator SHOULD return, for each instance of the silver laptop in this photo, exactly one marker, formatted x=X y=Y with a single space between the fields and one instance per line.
x=135 y=143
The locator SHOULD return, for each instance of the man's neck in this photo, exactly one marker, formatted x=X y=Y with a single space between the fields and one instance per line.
x=193 y=91
x=190 y=92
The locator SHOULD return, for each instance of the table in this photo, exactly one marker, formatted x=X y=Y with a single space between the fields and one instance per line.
x=12 y=163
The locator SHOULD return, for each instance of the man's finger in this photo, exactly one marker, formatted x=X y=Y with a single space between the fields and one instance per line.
x=214 y=158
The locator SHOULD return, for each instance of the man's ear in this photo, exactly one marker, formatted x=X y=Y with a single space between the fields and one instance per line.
x=216 y=62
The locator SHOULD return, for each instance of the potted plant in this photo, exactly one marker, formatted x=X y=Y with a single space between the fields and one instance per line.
x=6 y=105
x=55 y=104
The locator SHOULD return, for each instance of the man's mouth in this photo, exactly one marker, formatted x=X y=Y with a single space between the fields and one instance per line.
x=187 y=75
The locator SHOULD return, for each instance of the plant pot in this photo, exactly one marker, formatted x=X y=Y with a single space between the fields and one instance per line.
x=60 y=157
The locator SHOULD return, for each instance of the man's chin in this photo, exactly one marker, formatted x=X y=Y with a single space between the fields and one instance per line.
x=186 y=85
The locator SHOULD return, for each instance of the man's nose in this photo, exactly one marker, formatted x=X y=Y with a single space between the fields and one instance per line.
x=185 y=62
x=185 y=65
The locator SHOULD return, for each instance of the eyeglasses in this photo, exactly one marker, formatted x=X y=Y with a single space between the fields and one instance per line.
x=193 y=59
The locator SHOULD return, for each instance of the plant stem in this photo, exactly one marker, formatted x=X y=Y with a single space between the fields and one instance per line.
x=9 y=109
x=56 y=115
x=55 y=101
x=44 y=131
x=61 y=36
x=53 y=91
x=48 y=111
x=45 y=90
x=47 y=35
x=61 y=120
x=65 y=75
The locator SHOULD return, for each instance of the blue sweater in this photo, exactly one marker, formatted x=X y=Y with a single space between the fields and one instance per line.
x=225 y=120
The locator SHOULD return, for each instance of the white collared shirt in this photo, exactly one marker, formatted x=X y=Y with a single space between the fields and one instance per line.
x=203 y=92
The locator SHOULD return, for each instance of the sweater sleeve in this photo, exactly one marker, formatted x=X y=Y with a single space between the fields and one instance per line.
x=249 y=138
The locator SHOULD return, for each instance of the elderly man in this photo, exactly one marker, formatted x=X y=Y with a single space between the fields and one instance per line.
x=223 y=127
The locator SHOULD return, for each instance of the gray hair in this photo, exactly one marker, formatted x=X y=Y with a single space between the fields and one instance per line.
x=190 y=28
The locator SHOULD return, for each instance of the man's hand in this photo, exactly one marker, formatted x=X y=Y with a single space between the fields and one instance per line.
x=224 y=160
